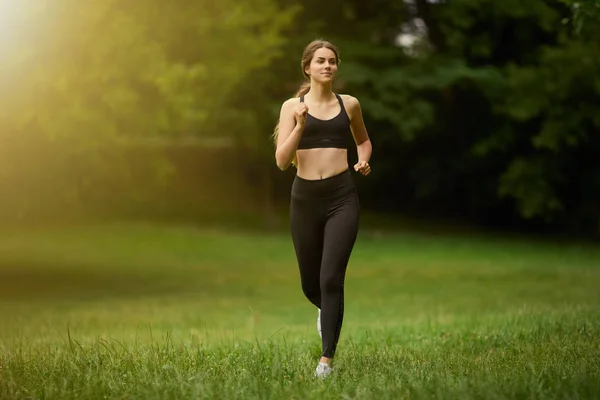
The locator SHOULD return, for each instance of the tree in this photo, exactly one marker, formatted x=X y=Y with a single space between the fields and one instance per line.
x=98 y=74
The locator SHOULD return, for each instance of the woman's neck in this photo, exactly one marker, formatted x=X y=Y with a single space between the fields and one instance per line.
x=320 y=93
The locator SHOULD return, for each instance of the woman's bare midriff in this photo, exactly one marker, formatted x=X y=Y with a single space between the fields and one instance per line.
x=321 y=163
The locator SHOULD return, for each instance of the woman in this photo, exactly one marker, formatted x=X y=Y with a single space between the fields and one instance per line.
x=312 y=133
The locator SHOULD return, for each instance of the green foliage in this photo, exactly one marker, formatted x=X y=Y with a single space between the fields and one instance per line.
x=99 y=70
x=508 y=88
x=406 y=97
x=585 y=17
x=83 y=85
x=531 y=182
x=556 y=96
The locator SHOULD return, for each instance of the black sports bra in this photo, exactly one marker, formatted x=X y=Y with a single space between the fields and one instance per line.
x=320 y=133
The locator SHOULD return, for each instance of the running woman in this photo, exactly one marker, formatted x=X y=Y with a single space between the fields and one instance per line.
x=312 y=134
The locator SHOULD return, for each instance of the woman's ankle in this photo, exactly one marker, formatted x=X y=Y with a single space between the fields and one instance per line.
x=328 y=361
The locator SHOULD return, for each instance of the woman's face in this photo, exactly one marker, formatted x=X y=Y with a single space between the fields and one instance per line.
x=323 y=66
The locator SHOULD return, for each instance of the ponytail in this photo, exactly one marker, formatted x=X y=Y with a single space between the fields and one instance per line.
x=304 y=88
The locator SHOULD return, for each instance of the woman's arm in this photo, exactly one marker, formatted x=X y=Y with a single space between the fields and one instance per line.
x=361 y=137
x=291 y=125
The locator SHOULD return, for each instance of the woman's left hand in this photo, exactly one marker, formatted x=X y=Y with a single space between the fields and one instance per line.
x=363 y=168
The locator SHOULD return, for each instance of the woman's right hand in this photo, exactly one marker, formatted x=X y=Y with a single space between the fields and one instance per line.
x=300 y=114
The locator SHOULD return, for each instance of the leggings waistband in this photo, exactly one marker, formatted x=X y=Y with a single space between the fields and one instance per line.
x=329 y=187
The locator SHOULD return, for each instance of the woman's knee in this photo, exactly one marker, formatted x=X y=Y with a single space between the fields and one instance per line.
x=312 y=291
x=332 y=284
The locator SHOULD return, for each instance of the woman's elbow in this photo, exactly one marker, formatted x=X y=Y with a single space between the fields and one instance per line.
x=281 y=164
x=365 y=143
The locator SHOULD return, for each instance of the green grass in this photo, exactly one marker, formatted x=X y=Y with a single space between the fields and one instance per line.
x=142 y=312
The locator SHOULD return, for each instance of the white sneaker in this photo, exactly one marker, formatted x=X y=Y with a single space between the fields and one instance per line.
x=323 y=370
x=319 y=324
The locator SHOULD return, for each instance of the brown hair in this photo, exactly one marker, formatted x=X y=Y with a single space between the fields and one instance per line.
x=307 y=57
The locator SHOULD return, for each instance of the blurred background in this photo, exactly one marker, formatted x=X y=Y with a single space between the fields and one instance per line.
x=481 y=113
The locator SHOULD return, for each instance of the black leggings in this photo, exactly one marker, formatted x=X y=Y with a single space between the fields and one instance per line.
x=324 y=223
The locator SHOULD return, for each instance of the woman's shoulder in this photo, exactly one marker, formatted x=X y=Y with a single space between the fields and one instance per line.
x=290 y=103
x=350 y=102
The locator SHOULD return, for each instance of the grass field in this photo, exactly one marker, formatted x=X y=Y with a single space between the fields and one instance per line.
x=142 y=312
